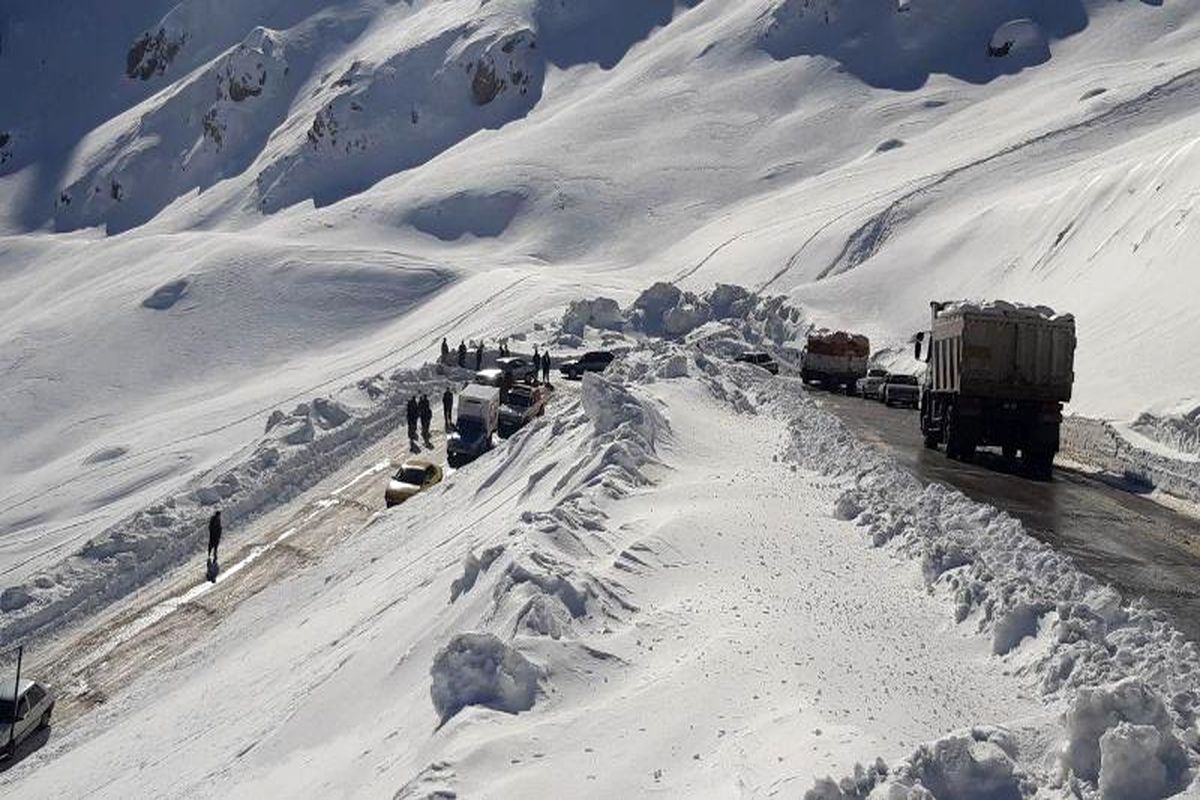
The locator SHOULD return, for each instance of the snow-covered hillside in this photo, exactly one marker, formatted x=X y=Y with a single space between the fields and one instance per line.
x=212 y=210
x=688 y=580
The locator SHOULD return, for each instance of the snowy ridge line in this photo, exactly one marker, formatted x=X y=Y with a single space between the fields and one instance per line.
x=299 y=449
x=549 y=582
x=1100 y=444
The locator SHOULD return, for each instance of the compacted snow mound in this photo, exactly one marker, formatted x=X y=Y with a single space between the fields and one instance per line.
x=477 y=669
x=1123 y=737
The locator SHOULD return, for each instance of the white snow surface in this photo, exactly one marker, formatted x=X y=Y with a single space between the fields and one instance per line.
x=697 y=585
x=211 y=209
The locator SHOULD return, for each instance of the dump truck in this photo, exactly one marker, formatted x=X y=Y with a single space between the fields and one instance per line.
x=834 y=359
x=477 y=420
x=997 y=375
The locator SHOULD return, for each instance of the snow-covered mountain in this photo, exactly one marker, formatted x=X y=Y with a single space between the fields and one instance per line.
x=211 y=208
x=222 y=221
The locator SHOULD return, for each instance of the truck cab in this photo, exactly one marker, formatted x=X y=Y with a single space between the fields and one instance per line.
x=475 y=426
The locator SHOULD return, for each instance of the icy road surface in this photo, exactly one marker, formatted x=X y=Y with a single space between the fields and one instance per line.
x=1137 y=545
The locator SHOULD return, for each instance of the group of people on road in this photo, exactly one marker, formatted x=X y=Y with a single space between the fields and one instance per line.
x=419 y=411
x=459 y=355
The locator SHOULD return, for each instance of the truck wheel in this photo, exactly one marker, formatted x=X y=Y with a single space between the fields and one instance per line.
x=932 y=441
x=1039 y=464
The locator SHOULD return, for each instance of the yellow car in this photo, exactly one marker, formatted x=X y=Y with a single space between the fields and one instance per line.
x=412 y=477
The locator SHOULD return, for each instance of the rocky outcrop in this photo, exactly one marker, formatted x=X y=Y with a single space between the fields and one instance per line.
x=152 y=54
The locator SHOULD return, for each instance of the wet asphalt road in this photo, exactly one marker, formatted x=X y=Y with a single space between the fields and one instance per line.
x=1131 y=542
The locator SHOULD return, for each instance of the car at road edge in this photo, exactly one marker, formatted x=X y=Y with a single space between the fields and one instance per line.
x=413 y=477
x=34 y=706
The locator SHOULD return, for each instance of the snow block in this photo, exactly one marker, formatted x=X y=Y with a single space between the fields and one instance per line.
x=477 y=669
x=1123 y=734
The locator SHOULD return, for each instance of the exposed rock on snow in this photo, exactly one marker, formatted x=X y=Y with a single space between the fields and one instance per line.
x=477 y=669
x=150 y=55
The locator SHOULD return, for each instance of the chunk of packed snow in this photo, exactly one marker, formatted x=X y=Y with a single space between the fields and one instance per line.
x=477 y=669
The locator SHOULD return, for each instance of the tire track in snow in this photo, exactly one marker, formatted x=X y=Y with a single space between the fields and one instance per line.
x=876 y=230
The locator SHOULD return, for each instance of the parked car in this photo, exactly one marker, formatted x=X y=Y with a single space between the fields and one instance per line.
x=33 y=707
x=901 y=390
x=412 y=477
x=591 y=361
x=489 y=377
x=522 y=404
x=518 y=368
x=869 y=385
x=760 y=359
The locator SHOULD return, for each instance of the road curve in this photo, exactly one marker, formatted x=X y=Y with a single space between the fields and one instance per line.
x=1129 y=541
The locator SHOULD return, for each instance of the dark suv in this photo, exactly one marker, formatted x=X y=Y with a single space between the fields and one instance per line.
x=591 y=361
x=760 y=359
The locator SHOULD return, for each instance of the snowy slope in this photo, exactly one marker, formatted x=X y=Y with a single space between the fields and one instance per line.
x=211 y=210
x=687 y=581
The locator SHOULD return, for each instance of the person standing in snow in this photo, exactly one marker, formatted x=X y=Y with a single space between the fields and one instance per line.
x=426 y=414
x=479 y=356
x=445 y=352
x=214 y=535
x=448 y=407
x=462 y=353
x=546 y=367
x=410 y=413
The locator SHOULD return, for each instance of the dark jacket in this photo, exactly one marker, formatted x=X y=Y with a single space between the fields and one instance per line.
x=214 y=529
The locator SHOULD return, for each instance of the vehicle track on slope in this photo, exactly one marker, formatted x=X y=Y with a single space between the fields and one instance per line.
x=876 y=230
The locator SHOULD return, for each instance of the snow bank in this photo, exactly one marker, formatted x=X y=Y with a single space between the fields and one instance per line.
x=668 y=311
x=546 y=586
x=298 y=449
x=477 y=669
x=1149 y=454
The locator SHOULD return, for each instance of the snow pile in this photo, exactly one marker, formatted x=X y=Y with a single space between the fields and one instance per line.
x=602 y=313
x=546 y=584
x=298 y=449
x=978 y=764
x=1178 y=431
x=1122 y=738
x=478 y=669
x=1150 y=453
x=1003 y=308
x=668 y=311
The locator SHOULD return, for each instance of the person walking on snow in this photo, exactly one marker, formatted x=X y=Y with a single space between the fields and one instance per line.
x=445 y=352
x=426 y=414
x=214 y=535
x=462 y=353
x=448 y=406
x=410 y=413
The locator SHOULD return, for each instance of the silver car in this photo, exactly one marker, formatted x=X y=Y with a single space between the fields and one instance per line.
x=870 y=386
x=33 y=707
x=901 y=390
